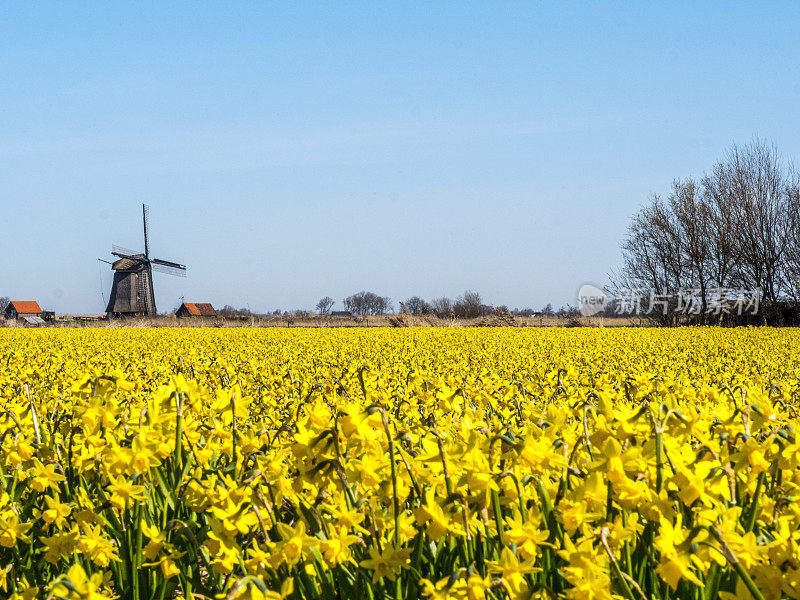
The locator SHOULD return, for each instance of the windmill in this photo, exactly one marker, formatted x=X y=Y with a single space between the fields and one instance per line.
x=132 y=289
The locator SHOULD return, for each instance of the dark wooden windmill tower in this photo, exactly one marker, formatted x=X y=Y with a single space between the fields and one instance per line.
x=132 y=290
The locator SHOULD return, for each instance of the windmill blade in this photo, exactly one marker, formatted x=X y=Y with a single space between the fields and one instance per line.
x=168 y=263
x=168 y=270
x=146 y=222
x=122 y=250
x=137 y=258
x=168 y=267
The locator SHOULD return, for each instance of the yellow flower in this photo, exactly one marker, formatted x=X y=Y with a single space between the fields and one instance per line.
x=675 y=559
x=58 y=545
x=81 y=586
x=526 y=533
x=101 y=551
x=386 y=563
x=295 y=545
x=167 y=565
x=439 y=523
x=223 y=549
x=336 y=550
x=156 y=541
x=124 y=492
x=12 y=530
x=56 y=512
x=512 y=571
x=44 y=476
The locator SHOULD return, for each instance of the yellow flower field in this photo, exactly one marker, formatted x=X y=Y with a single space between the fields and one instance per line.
x=440 y=463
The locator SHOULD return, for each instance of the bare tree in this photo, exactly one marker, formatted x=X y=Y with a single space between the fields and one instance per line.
x=792 y=270
x=653 y=264
x=469 y=305
x=230 y=311
x=367 y=303
x=736 y=227
x=692 y=221
x=723 y=252
x=442 y=307
x=382 y=305
x=4 y=302
x=324 y=306
x=417 y=306
x=758 y=186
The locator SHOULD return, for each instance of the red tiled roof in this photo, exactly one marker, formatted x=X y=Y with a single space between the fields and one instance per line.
x=26 y=306
x=200 y=309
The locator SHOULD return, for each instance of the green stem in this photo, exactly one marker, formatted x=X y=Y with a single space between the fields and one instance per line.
x=395 y=498
x=712 y=582
x=498 y=519
x=753 y=512
x=737 y=566
x=234 y=438
x=659 y=459
x=178 y=435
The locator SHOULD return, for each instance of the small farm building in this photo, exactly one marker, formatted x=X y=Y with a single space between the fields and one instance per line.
x=196 y=309
x=25 y=310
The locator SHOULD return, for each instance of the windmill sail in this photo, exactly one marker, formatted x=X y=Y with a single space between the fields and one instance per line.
x=145 y=219
x=167 y=270
x=116 y=250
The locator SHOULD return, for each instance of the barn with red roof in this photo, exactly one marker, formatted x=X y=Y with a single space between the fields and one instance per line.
x=29 y=310
x=196 y=309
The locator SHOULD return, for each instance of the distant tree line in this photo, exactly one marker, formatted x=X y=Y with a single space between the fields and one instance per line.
x=735 y=228
x=468 y=305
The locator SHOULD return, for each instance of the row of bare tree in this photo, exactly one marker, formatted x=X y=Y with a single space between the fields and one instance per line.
x=737 y=227
x=467 y=306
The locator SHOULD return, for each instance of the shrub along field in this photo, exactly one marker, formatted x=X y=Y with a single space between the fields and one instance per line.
x=399 y=463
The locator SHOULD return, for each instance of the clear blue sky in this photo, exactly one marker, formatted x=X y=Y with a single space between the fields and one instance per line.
x=293 y=151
